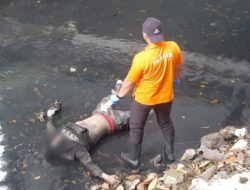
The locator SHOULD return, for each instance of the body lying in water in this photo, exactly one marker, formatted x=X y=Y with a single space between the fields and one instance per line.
x=73 y=141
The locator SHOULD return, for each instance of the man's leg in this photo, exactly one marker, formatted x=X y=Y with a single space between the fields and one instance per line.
x=138 y=116
x=165 y=123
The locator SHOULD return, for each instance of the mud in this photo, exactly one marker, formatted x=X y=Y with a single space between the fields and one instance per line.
x=41 y=40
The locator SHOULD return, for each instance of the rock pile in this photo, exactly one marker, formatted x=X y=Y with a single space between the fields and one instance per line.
x=221 y=155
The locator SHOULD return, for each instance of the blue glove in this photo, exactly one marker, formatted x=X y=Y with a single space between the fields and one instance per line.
x=177 y=83
x=114 y=99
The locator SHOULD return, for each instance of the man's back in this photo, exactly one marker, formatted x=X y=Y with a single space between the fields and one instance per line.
x=153 y=72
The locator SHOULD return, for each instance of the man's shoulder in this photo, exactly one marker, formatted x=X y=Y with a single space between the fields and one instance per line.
x=172 y=44
x=139 y=56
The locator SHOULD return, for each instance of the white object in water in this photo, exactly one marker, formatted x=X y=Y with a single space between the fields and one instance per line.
x=72 y=69
x=241 y=133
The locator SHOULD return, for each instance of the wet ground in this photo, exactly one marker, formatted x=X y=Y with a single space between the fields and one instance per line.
x=40 y=40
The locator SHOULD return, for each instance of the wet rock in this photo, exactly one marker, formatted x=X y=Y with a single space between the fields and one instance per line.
x=189 y=154
x=150 y=178
x=243 y=180
x=141 y=186
x=134 y=177
x=185 y=170
x=208 y=173
x=105 y=186
x=153 y=184
x=173 y=177
x=120 y=187
x=228 y=132
x=213 y=140
x=162 y=186
x=210 y=154
x=156 y=160
x=131 y=185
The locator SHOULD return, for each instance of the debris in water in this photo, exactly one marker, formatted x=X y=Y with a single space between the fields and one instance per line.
x=215 y=101
x=202 y=86
x=156 y=160
x=37 y=177
x=205 y=127
x=72 y=69
x=13 y=121
x=31 y=120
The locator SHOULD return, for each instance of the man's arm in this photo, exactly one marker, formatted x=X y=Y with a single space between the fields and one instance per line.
x=127 y=86
x=177 y=71
x=84 y=156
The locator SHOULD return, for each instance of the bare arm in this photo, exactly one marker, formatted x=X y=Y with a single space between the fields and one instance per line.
x=127 y=86
x=84 y=156
x=177 y=71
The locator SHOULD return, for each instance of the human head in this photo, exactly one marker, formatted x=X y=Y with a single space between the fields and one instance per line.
x=152 y=30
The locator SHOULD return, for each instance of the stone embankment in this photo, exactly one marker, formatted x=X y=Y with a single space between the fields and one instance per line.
x=221 y=162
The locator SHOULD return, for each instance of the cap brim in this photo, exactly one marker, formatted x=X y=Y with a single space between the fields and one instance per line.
x=157 y=38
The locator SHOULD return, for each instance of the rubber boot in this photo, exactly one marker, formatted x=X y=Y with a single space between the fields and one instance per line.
x=169 y=149
x=132 y=158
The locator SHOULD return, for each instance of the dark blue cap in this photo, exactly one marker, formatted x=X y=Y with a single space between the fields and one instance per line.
x=153 y=28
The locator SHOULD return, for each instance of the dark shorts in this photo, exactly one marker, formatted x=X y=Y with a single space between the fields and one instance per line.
x=66 y=141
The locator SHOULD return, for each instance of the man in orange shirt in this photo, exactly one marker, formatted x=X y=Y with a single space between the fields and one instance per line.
x=152 y=76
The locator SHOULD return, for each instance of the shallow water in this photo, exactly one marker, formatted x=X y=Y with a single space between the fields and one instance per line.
x=41 y=40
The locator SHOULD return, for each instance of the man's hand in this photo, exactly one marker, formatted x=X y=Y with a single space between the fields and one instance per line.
x=177 y=83
x=111 y=179
x=114 y=99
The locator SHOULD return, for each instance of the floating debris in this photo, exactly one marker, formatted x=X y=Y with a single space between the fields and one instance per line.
x=37 y=177
x=72 y=69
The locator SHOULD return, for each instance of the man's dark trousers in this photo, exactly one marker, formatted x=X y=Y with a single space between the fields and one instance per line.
x=138 y=117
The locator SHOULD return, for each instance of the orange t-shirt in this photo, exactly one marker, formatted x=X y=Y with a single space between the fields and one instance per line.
x=152 y=71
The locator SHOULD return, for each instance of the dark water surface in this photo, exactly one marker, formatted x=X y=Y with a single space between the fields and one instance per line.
x=41 y=40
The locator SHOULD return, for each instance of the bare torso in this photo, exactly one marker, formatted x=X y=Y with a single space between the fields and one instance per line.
x=97 y=126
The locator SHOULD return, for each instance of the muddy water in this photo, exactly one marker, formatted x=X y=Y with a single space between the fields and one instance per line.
x=42 y=40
